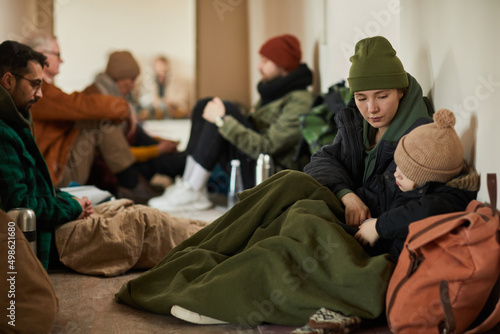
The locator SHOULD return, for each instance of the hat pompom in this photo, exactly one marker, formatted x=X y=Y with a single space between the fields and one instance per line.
x=444 y=118
x=431 y=152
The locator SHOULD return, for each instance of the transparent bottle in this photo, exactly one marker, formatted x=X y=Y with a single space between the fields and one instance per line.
x=235 y=183
x=264 y=168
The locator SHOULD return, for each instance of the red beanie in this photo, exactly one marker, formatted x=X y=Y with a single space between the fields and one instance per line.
x=284 y=51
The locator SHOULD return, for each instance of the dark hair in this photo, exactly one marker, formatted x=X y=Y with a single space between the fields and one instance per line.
x=14 y=57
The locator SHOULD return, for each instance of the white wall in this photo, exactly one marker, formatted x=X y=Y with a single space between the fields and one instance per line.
x=453 y=48
x=350 y=21
x=89 y=30
x=18 y=19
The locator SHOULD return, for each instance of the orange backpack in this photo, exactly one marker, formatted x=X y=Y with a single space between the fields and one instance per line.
x=446 y=279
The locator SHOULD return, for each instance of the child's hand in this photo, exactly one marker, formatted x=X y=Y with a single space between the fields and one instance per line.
x=367 y=233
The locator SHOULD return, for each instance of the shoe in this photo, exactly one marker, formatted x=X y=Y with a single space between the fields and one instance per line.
x=181 y=197
x=333 y=321
x=141 y=194
x=308 y=330
x=195 y=318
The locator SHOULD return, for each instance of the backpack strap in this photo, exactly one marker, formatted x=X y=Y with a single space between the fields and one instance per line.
x=491 y=180
x=493 y=318
x=448 y=325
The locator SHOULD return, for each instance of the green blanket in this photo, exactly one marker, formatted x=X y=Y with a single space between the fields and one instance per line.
x=276 y=257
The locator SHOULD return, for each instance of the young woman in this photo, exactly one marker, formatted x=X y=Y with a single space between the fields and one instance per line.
x=288 y=247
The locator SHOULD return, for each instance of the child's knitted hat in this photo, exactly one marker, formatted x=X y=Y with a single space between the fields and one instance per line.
x=431 y=152
x=376 y=66
x=284 y=51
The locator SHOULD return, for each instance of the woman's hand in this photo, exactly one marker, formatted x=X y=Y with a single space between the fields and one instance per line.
x=215 y=108
x=356 y=211
x=87 y=208
x=367 y=233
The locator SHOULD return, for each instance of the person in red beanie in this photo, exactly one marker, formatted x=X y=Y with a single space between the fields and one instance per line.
x=284 y=51
x=221 y=132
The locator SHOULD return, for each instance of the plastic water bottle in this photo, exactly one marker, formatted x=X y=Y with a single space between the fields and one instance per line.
x=235 y=183
x=264 y=168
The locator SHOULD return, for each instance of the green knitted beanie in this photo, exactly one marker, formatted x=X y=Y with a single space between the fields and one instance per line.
x=376 y=66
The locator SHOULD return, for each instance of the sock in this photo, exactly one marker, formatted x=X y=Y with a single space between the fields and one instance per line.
x=198 y=176
x=190 y=162
x=127 y=178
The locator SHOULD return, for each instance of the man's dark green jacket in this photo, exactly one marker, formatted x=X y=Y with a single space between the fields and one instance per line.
x=24 y=177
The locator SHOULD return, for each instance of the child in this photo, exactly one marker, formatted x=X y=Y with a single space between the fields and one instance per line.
x=428 y=160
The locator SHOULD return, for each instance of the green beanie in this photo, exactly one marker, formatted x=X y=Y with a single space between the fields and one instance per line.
x=376 y=66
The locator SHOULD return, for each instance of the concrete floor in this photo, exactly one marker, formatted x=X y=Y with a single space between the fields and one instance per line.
x=87 y=306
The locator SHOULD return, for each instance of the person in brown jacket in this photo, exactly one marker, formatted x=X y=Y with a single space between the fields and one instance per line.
x=70 y=128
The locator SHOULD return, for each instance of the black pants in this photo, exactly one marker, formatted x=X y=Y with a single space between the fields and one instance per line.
x=207 y=147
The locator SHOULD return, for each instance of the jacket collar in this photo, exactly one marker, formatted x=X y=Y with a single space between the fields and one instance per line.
x=275 y=89
x=10 y=112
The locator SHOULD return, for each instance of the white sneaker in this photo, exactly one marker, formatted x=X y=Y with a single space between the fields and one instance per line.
x=195 y=318
x=181 y=197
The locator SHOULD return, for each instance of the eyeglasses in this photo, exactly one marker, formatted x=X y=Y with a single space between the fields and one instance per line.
x=36 y=84
x=57 y=54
